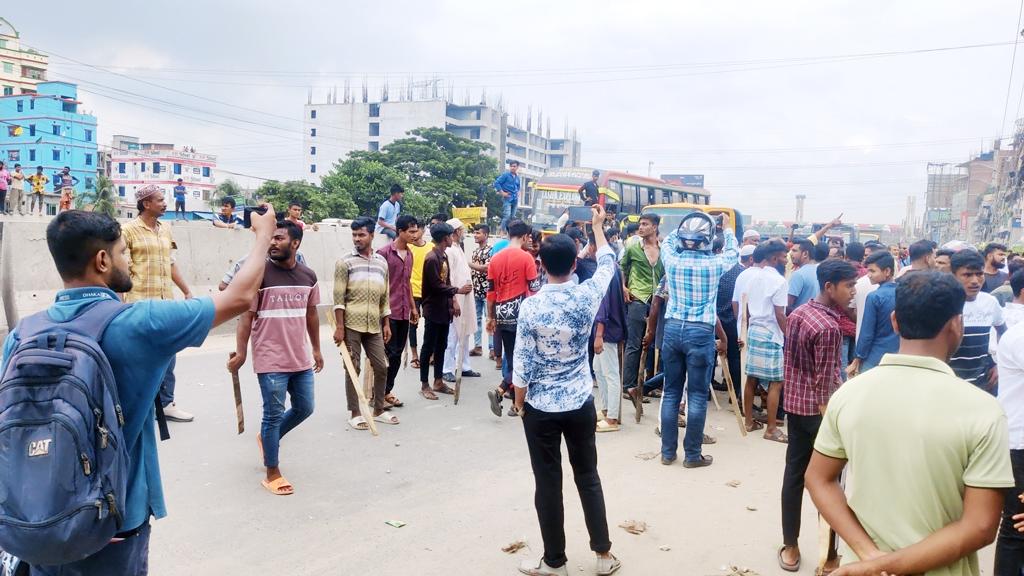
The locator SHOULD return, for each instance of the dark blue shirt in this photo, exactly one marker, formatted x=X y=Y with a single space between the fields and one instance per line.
x=179 y=193
x=612 y=312
x=228 y=220
x=877 y=337
x=508 y=182
x=139 y=344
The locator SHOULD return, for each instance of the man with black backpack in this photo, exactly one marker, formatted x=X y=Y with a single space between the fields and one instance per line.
x=79 y=402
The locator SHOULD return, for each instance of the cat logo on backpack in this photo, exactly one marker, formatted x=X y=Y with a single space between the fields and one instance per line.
x=39 y=448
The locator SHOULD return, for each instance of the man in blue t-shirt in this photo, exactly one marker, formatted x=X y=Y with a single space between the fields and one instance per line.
x=803 y=283
x=92 y=258
x=179 y=199
x=387 y=216
x=507 y=186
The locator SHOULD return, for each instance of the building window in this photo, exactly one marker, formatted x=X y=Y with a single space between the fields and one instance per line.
x=3 y=43
x=88 y=135
x=32 y=104
x=206 y=171
x=374 y=110
x=8 y=90
x=56 y=130
x=56 y=155
x=121 y=167
x=120 y=191
x=312 y=114
x=374 y=146
x=14 y=155
x=374 y=128
x=312 y=132
x=32 y=155
x=21 y=105
x=156 y=167
x=312 y=168
x=88 y=159
x=142 y=167
x=88 y=183
x=31 y=129
x=8 y=67
x=312 y=150
x=177 y=168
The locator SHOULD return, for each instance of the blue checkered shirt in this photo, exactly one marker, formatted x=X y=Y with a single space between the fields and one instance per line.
x=692 y=278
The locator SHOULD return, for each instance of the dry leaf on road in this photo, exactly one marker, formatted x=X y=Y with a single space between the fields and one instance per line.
x=634 y=526
x=514 y=547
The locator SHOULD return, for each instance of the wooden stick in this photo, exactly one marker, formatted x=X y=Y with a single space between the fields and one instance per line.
x=353 y=375
x=622 y=377
x=640 y=379
x=237 y=388
x=460 y=356
x=732 y=394
x=715 y=398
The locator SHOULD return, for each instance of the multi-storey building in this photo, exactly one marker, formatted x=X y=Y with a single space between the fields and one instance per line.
x=46 y=128
x=134 y=164
x=21 y=69
x=334 y=129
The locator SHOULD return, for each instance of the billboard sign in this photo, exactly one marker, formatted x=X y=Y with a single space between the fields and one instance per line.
x=685 y=179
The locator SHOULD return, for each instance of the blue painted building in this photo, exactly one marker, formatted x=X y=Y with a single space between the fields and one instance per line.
x=47 y=129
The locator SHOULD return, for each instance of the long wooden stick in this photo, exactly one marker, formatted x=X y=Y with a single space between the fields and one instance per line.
x=460 y=356
x=622 y=376
x=732 y=393
x=237 y=388
x=353 y=375
x=640 y=381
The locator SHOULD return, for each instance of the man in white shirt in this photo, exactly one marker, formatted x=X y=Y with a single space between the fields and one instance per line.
x=465 y=324
x=1010 y=545
x=1013 y=312
x=743 y=280
x=768 y=295
x=864 y=285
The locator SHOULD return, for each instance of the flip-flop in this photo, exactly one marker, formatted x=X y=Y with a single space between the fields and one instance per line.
x=386 y=418
x=755 y=426
x=604 y=426
x=279 y=487
x=788 y=567
x=779 y=436
x=708 y=439
x=444 y=390
x=428 y=394
x=495 y=399
x=394 y=401
x=415 y=363
x=358 y=423
x=681 y=422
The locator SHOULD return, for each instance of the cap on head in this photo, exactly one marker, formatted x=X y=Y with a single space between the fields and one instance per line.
x=751 y=234
x=148 y=192
x=747 y=251
x=455 y=223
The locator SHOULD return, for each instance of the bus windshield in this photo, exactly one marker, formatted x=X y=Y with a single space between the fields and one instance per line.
x=671 y=216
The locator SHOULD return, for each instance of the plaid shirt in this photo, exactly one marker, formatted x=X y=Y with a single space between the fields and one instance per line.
x=150 y=256
x=692 y=279
x=361 y=290
x=813 y=341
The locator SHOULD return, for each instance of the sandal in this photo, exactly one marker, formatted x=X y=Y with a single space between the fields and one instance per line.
x=604 y=426
x=788 y=567
x=777 y=436
x=755 y=426
x=394 y=401
x=654 y=393
x=358 y=423
x=494 y=396
x=444 y=389
x=682 y=421
x=708 y=439
x=426 y=393
x=385 y=418
x=415 y=363
x=279 y=487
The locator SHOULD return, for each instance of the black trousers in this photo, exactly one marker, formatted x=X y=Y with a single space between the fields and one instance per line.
x=435 y=340
x=732 y=354
x=412 y=329
x=802 y=432
x=1010 y=545
x=544 y=432
x=393 y=349
x=636 y=325
x=507 y=337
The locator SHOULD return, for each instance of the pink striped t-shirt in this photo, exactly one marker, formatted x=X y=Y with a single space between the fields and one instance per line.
x=279 y=326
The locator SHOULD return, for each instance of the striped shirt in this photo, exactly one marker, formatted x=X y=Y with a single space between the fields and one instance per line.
x=692 y=278
x=972 y=360
x=813 y=341
x=149 y=252
x=361 y=290
x=279 y=323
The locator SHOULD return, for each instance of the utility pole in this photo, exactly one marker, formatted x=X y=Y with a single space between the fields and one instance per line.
x=650 y=165
x=800 y=198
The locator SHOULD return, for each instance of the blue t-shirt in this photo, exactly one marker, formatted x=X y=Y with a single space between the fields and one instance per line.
x=804 y=284
x=508 y=182
x=139 y=344
x=499 y=246
x=179 y=193
x=389 y=213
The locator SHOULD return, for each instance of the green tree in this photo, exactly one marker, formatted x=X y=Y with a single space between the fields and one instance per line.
x=318 y=203
x=100 y=198
x=228 y=188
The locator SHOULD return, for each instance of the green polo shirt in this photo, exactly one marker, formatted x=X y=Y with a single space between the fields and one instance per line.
x=641 y=278
x=915 y=435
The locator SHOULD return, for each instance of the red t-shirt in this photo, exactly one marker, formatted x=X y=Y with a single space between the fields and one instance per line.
x=512 y=273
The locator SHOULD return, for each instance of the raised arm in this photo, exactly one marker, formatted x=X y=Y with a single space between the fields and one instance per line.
x=238 y=296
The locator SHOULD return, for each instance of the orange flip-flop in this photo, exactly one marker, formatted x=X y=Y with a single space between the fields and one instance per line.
x=279 y=487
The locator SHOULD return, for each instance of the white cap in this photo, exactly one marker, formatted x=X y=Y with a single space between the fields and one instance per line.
x=751 y=233
x=455 y=223
x=746 y=251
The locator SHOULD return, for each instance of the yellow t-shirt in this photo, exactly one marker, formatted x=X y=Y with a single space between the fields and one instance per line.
x=915 y=435
x=419 y=253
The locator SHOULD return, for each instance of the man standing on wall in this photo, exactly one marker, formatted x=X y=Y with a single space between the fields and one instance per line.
x=507 y=186
x=589 y=192
x=67 y=188
x=17 y=193
x=39 y=182
x=179 y=200
x=154 y=273
x=387 y=216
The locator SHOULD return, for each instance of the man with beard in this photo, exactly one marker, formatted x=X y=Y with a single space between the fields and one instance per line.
x=284 y=309
x=154 y=273
x=91 y=256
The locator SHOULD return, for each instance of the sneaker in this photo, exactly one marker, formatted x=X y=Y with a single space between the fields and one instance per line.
x=512 y=412
x=448 y=377
x=470 y=373
x=705 y=460
x=540 y=568
x=175 y=414
x=607 y=566
x=495 y=397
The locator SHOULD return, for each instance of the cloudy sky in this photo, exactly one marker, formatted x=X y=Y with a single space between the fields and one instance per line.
x=845 y=102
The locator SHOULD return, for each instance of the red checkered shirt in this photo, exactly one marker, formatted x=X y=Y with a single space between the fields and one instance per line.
x=812 y=358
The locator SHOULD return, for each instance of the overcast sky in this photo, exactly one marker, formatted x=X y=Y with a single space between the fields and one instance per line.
x=746 y=93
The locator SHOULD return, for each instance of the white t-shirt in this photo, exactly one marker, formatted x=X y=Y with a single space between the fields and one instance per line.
x=864 y=287
x=766 y=291
x=1013 y=313
x=1011 y=383
x=743 y=282
x=980 y=316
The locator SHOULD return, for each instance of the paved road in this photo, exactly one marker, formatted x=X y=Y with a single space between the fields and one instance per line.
x=459 y=478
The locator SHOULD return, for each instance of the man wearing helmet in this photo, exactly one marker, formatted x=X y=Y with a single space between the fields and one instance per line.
x=692 y=272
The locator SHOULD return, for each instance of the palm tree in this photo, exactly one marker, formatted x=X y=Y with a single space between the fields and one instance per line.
x=226 y=188
x=100 y=198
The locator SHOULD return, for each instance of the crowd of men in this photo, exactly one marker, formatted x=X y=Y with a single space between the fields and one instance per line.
x=910 y=367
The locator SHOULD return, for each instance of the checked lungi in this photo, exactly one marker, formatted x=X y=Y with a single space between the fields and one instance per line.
x=764 y=357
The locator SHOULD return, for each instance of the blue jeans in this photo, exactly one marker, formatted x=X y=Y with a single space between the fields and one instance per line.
x=167 y=385
x=481 y=307
x=129 y=556
x=689 y=353
x=508 y=212
x=276 y=421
